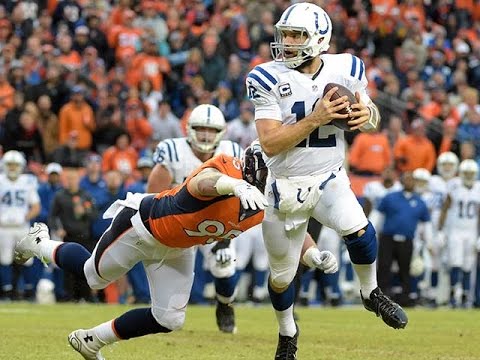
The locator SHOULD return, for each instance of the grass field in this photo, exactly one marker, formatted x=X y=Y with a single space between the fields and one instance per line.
x=39 y=332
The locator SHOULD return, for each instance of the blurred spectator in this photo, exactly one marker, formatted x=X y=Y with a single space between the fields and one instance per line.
x=149 y=96
x=47 y=125
x=28 y=139
x=213 y=67
x=149 y=19
x=165 y=124
x=98 y=39
x=144 y=166
x=21 y=26
x=225 y=102
x=70 y=219
x=6 y=94
x=242 y=129
x=137 y=125
x=394 y=130
x=53 y=86
x=109 y=126
x=68 y=57
x=370 y=154
x=11 y=123
x=125 y=37
x=235 y=78
x=78 y=116
x=121 y=156
x=67 y=12
x=69 y=154
x=81 y=40
x=445 y=138
x=467 y=150
x=92 y=182
x=415 y=150
x=262 y=31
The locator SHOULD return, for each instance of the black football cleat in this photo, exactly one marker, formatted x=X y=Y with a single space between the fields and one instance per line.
x=391 y=313
x=287 y=347
x=225 y=318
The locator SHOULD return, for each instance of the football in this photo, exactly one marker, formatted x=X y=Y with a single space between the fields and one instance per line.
x=342 y=91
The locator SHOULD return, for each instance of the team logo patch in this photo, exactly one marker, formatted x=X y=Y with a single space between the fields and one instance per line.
x=285 y=90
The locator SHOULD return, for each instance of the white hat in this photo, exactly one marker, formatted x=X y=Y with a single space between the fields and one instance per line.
x=145 y=162
x=53 y=168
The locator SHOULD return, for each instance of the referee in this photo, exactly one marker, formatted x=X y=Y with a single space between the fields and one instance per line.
x=402 y=211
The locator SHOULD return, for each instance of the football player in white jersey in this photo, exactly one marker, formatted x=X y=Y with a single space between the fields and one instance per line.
x=175 y=159
x=305 y=158
x=461 y=211
x=447 y=166
x=19 y=203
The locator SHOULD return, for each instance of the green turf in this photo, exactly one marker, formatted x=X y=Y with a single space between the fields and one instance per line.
x=40 y=332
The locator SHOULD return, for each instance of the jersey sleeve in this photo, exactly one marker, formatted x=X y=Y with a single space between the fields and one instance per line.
x=260 y=84
x=165 y=154
x=356 y=77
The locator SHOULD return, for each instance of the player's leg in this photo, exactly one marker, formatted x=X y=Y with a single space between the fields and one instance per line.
x=455 y=257
x=339 y=208
x=284 y=250
x=225 y=279
x=467 y=267
x=170 y=275
x=7 y=244
x=31 y=270
x=260 y=265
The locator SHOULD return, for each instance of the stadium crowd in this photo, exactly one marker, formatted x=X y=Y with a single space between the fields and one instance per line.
x=93 y=86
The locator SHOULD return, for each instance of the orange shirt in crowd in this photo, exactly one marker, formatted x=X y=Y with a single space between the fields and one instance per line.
x=70 y=60
x=7 y=93
x=79 y=118
x=151 y=67
x=124 y=161
x=413 y=152
x=123 y=38
x=370 y=153
x=380 y=9
x=140 y=131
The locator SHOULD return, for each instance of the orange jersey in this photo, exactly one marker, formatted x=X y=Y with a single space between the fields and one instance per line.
x=179 y=219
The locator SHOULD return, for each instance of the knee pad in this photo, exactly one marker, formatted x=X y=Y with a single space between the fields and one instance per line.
x=171 y=319
x=362 y=249
x=281 y=280
x=93 y=279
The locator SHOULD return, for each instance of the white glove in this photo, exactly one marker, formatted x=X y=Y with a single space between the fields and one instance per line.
x=223 y=257
x=323 y=260
x=250 y=196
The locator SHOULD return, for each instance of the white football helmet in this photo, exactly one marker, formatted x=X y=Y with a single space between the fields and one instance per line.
x=468 y=171
x=312 y=23
x=206 y=116
x=13 y=163
x=422 y=178
x=447 y=165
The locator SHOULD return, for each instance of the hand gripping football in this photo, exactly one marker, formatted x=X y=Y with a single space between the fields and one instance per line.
x=342 y=91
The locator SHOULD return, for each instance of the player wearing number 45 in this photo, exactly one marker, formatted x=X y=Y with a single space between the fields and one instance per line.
x=19 y=203
x=218 y=201
x=305 y=157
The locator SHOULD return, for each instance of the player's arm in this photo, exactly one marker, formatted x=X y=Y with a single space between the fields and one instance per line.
x=274 y=136
x=312 y=257
x=159 y=179
x=34 y=211
x=443 y=213
x=212 y=183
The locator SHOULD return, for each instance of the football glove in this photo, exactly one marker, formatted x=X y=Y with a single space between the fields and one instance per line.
x=322 y=260
x=223 y=253
x=250 y=196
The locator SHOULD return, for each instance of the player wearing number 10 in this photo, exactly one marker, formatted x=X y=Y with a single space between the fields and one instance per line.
x=305 y=159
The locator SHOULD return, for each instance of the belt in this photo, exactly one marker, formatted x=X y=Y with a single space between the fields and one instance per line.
x=145 y=208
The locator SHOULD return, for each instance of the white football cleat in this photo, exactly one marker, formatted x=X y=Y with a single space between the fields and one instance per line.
x=29 y=246
x=86 y=343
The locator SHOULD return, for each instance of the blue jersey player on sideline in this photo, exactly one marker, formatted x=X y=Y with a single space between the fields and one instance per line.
x=305 y=156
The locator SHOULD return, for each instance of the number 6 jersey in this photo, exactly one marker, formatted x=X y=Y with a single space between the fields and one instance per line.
x=287 y=95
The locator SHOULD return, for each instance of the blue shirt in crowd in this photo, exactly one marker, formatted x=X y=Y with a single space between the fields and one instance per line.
x=46 y=192
x=402 y=213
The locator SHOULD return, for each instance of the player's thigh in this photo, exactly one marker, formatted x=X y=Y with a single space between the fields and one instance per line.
x=283 y=247
x=170 y=285
x=7 y=245
x=455 y=248
x=117 y=251
x=244 y=246
x=338 y=207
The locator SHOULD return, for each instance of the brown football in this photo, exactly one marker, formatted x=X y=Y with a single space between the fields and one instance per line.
x=342 y=91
